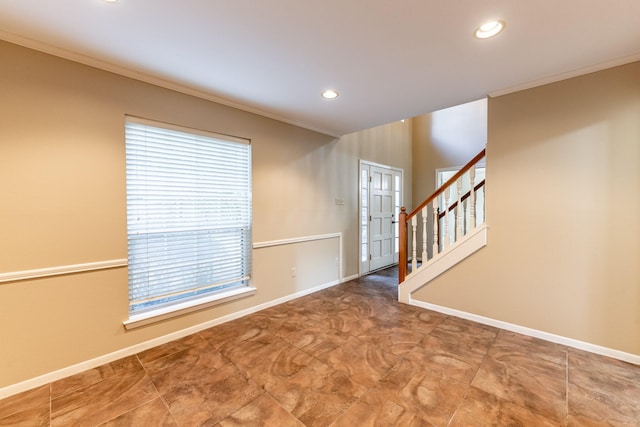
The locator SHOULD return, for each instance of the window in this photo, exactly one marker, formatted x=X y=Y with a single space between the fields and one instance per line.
x=397 y=200
x=364 y=214
x=188 y=216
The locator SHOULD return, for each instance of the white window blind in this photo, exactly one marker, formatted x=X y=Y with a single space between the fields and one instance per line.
x=188 y=214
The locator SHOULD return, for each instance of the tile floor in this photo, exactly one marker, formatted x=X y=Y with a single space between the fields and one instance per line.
x=349 y=356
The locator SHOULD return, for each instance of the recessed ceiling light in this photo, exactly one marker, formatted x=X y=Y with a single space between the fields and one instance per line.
x=111 y=1
x=330 y=94
x=490 y=29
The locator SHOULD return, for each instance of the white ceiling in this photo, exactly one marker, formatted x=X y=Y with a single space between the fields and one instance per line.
x=389 y=59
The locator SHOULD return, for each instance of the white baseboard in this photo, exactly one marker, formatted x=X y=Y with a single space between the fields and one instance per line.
x=129 y=351
x=349 y=278
x=558 y=339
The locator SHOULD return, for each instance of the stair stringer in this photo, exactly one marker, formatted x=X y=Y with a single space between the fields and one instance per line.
x=454 y=254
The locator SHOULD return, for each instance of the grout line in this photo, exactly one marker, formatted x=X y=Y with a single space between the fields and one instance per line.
x=455 y=411
x=466 y=393
x=164 y=402
x=159 y=395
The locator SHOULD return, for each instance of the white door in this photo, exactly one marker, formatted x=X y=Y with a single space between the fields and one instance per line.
x=380 y=190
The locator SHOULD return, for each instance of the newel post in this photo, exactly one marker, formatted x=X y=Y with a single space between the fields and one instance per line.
x=402 y=242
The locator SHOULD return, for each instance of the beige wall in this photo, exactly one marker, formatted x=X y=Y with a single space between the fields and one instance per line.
x=62 y=186
x=563 y=209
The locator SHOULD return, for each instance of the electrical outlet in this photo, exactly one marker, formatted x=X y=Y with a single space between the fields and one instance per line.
x=293 y=272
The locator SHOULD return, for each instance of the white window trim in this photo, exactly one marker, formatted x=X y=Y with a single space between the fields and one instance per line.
x=179 y=309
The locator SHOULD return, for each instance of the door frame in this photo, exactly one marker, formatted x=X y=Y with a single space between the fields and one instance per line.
x=398 y=197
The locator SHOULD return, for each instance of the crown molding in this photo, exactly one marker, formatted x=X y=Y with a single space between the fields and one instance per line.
x=568 y=74
x=151 y=79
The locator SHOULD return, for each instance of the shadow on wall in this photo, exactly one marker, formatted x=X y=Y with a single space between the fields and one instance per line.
x=458 y=133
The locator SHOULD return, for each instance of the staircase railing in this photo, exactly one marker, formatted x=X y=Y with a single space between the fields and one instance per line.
x=463 y=207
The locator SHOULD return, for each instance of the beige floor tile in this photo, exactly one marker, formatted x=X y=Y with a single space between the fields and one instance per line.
x=317 y=340
x=317 y=394
x=540 y=387
x=270 y=371
x=435 y=354
x=399 y=339
x=169 y=348
x=191 y=365
x=230 y=332
x=347 y=321
x=263 y=411
x=212 y=398
x=153 y=413
x=589 y=408
x=430 y=394
x=378 y=414
x=481 y=408
x=104 y=400
x=363 y=362
x=531 y=347
x=31 y=408
x=93 y=376
x=605 y=376
x=36 y=398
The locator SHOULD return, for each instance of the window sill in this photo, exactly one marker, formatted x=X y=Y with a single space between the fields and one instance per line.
x=149 y=317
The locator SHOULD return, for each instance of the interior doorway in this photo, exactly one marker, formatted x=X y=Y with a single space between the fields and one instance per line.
x=380 y=201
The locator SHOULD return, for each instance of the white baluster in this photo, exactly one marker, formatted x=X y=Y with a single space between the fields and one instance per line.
x=424 y=236
x=472 y=197
x=484 y=201
x=435 y=227
x=445 y=235
x=459 y=211
x=414 y=254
